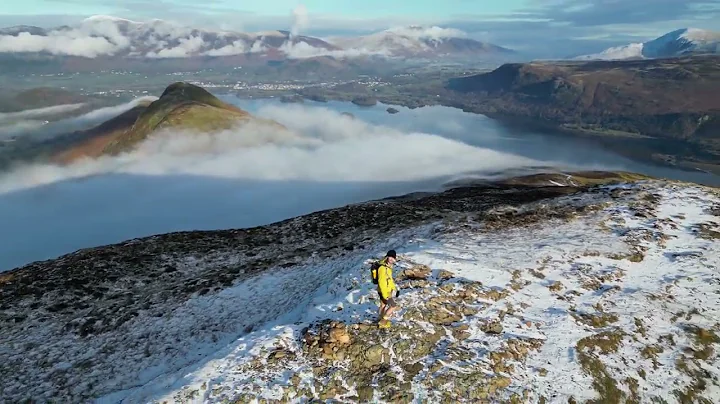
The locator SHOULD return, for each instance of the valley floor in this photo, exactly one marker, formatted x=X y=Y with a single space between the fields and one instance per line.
x=619 y=302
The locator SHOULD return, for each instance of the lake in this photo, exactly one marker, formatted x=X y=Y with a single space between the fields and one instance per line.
x=250 y=177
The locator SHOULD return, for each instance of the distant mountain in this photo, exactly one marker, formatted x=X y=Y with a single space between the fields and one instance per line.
x=670 y=100
x=41 y=97
x=673 y=44
x=182 y=106
x=156 y=39
x=101 y=37
x=417 y=41
x=18 y=29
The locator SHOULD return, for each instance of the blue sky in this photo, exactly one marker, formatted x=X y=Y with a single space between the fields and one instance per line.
x=559 y=26
x=349 y=8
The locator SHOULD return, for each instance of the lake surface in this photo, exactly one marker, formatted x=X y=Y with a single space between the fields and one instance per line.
x=481 y=131
x=249 y=177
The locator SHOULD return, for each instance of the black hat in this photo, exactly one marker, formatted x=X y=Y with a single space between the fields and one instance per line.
x=391 y=253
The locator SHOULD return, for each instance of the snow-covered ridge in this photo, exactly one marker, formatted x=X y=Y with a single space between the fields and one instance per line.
x=676 y=43
x=524 y=297
x=418 y=40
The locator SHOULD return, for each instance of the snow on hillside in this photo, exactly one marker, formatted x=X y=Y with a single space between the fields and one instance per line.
x=416 y=41
x=621 y=301
x=672 y=44
x=103 y=35
x=631 y=51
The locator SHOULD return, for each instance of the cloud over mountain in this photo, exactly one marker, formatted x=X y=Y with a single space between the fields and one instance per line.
x=680 y=42
x=106 y=36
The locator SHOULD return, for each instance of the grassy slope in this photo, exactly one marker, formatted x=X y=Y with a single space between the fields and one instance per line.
x=182 y=106
x=92 y=142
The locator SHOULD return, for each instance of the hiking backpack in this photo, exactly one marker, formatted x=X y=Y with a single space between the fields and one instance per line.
x=374 y=272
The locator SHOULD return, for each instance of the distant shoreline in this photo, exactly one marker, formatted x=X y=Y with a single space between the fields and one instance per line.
x=649 y=150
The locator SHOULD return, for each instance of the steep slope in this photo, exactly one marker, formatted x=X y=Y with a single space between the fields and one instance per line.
x=680 y=42
x=181 y=107
x=529 y=292
x=670 y=99
x=92 y=142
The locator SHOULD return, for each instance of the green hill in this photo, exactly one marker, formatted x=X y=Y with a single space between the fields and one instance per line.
x=181 y=107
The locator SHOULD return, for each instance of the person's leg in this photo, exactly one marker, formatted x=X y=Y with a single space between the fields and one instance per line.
x=391 y=306
x=383 y=305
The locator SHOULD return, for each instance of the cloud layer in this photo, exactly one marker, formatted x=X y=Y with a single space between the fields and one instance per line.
x=254 y=175
x=244 y=177
x=540 y=28
x=110 y=36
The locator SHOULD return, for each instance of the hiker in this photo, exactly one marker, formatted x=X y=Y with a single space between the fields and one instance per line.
x=387 y=288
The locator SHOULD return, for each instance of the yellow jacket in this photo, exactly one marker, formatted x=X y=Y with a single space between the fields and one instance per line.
x=386 y=284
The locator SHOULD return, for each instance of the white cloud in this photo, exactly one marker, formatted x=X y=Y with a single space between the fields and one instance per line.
x=302 y=50
x=243 y=177
x=300 y=19
x=186 y=47
x=236 y=48
x=29 y=122
x=58 y=44
x=434 y=32
x=39 y=112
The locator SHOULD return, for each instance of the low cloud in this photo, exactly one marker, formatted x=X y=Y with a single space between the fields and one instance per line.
x=303 y=50
x=58 y=43
x=46 y=112
x=187 y=47
x=256 y=174
x=31 y=123
x=433 y=33
x=243 y=177
x=110 y=36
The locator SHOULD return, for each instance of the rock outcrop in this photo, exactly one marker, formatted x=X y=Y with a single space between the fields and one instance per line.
x=430 y=347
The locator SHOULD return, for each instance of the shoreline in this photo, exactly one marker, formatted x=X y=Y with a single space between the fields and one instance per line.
x=653 y=150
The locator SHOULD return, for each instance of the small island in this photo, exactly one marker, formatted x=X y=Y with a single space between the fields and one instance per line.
x=365 y=101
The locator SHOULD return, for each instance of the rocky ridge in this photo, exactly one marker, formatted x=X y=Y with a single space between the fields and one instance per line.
x=620 y=307
x=484 y=304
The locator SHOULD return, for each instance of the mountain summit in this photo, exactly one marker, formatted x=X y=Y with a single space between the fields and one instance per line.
x=418 y=40
x=181 y=107
x=681 y=42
